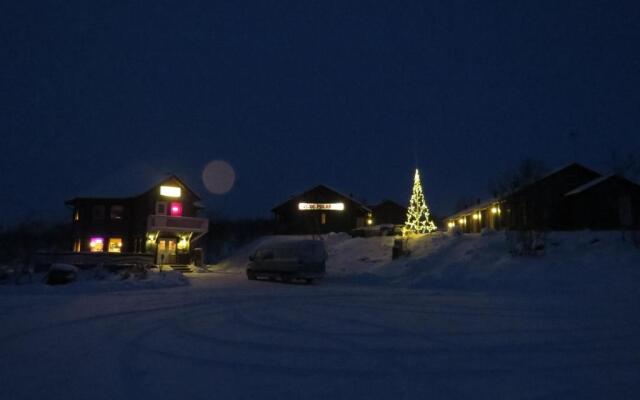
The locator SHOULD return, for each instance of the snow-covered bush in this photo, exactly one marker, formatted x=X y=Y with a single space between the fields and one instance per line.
x=526 y=242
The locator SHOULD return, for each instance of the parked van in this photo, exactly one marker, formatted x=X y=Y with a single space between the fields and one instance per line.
x=300 y=259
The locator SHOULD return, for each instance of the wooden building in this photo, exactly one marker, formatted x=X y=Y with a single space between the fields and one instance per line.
x=609 y=202
x=389 y=212
x=321 y=210
x=569 y=198
x=161 y=219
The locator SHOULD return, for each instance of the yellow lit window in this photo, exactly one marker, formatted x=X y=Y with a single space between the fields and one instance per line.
x=323 y=218
x=115 y=245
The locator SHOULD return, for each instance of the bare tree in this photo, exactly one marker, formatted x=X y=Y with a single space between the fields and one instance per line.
x=527 y=172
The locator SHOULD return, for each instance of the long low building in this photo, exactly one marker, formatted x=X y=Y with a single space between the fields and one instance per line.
x=569 y=198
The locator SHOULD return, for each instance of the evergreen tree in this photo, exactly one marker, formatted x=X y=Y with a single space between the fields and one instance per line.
x=418 y=213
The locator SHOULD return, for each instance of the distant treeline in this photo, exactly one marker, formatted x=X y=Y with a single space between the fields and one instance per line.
x=20 y=241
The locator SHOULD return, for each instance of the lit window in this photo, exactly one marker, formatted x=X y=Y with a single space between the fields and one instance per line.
x=323 y=218
x=97 y=213
x=170 y=191
x=96 y=245
x=115 y=245
x=76 y=214
x=116 y=212
x=76 y=245
x=176 y=209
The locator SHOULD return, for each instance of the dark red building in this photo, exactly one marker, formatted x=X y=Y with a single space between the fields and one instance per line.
x=161 y=219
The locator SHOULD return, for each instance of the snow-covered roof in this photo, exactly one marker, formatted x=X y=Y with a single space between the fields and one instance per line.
x=469 y=210
x=128 y=181
x=589 y=184
x=361 y=204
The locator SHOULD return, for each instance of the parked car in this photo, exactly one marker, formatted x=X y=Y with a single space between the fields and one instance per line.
x=300 y=259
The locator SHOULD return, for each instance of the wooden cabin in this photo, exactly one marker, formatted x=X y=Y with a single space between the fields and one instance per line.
x=320 y=210
x=161 y=219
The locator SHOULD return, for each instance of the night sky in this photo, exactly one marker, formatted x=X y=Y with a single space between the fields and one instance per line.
x=292 y=94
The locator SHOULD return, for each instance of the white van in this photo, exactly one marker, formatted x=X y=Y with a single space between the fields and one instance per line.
x=300 y=259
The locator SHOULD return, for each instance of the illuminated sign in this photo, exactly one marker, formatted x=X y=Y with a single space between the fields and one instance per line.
x=170 y=191
x=321 y=206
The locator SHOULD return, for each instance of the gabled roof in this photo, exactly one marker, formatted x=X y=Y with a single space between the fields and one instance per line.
x=589 y=184
x=358 y=202
x=481 y=205
x=550 y=174
x=129 y=183
x=598 y=181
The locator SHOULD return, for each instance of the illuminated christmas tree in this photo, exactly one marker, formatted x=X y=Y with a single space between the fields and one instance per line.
x=418 y=214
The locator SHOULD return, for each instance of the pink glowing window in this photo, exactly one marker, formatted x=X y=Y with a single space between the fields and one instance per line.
x=96 y=244
x=176 y=209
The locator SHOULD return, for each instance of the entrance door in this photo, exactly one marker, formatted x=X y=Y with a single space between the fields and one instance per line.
x=166 y=251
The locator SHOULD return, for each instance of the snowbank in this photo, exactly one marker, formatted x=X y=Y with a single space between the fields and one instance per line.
x=585 y=260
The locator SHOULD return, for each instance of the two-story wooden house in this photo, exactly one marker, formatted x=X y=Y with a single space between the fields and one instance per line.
x=162 y=220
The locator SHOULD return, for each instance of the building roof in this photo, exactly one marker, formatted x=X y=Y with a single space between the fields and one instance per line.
x=469 y=210
x=598 y=181
x=362 y=205
x=589 y=184
x=550 y=174
x=128 y=183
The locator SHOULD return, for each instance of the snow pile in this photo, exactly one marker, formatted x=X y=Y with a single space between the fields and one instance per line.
x=571 y=261
x=584 y=260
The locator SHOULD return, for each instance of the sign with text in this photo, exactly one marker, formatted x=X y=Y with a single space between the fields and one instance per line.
x=321 y=206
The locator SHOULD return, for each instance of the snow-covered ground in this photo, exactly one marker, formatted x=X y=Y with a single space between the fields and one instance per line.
x=461 y=318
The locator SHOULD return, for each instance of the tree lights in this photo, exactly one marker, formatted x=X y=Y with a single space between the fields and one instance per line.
x=418 y=213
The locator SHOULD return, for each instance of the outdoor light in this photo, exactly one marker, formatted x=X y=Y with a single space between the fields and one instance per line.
x=170 y=191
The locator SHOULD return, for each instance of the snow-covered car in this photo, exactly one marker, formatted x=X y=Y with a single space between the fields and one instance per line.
x=300 y=259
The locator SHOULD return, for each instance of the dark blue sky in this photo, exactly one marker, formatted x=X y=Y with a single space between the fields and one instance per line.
x=298 y=93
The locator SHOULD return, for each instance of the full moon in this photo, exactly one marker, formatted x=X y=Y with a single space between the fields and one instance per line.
x=218 y=177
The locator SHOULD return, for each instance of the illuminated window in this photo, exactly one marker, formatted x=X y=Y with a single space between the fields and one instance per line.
x=176 y=209
x=76 y=214
x=170 y=191
x=97 y=213
x=116 y=212
x=76 y=245
x=96 y=245
x=115 y=245
x=323 y=218
x=161 y=245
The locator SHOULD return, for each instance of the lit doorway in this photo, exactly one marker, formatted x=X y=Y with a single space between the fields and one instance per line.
x=166 y=251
